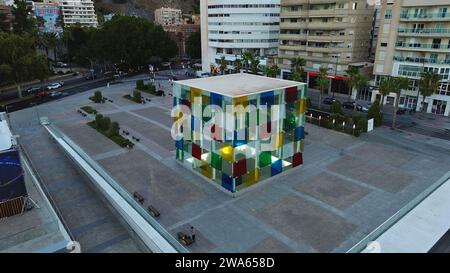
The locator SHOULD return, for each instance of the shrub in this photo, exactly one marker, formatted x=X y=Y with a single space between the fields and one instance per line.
x=361 y=124
x=89 y=110
x=140 y=85
x=105 y=123
x=137 y=96
x=336 y=107
x=375 y=113
x=308 y=102
x=98 y=119
x=114 y=129
x=97 y=97
x=160 y=93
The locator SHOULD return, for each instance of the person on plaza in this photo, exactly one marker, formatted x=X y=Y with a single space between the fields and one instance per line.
x=192 y=233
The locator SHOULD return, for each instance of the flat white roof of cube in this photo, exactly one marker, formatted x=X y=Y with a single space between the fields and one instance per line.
x=240 y=84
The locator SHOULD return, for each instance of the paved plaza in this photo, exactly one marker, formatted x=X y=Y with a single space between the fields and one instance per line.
x=346 y=188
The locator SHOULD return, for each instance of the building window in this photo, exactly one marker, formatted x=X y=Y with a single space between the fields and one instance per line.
x=355 y=5
x=383 y=44
x=388 y=14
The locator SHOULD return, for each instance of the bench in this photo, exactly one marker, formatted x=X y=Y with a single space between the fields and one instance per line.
x=138 y=197
x=184 y=238
x=153 y=211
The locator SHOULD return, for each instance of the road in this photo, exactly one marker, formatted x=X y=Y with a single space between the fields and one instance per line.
x=80 y=84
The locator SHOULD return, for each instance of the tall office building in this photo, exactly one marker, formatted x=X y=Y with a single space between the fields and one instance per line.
x=415 y=37
x=335 y=34
x=78 y=11
x=231 y=27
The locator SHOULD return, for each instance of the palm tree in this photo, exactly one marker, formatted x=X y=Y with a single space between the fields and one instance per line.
x=386 y=86
x=361 y=82
x=297 y=65
x=399 y=84
x=247 y=57
x=428 y=84
x=352 y=79
x=322 y=82
x=237 y=66
x=271 y=70
x=254 y=65
x=223 y=65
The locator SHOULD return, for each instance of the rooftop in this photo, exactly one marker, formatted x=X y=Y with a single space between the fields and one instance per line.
x=241 y=84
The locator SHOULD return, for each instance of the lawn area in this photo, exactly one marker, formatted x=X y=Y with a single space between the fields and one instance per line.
x=118 y=139
x=89 y=110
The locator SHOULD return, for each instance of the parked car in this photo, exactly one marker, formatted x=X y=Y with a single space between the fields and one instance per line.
x=60 y=65
x=53 y=86
x=42 y=94
x=33 y=89
x=55 y=94
x=329 y=100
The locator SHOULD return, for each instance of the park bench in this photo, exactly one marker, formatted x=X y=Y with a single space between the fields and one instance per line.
x=153 y=211
x=138 y=197
x=184 y=238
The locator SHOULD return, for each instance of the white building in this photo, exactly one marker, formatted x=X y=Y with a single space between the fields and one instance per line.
x=231 y=27
x=78 y=11
x=168 y=16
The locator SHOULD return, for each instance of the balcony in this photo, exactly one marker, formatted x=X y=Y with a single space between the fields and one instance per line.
x=421 y=60
x=422 y=46
x=292 y=37
x=437 y=16
x=425 y=32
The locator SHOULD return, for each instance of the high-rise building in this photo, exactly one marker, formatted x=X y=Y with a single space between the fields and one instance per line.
x=415 y=37
x=78 y=11
x=231 y=27
x=168 y=16
x=335 y=34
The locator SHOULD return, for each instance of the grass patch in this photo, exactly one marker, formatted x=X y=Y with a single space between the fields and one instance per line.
x=129 y=97
x=118 y=139
x=89 y=110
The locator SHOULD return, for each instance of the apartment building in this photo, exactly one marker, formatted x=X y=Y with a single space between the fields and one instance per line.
x=415 y=37
x=231 y=27
x=168 y=16
x=78 y=11
x=331 y=33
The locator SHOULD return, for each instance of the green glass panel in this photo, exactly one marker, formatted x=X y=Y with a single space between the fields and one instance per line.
x=265 y=159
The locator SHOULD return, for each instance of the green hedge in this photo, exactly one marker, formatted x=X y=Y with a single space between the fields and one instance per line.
x=89 y=110
x=109 y=129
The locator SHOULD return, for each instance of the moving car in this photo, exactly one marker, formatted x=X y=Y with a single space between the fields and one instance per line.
x=33 y=89
x=329 y=100
x=55 y=94
x=351 y=104
x=53 y=86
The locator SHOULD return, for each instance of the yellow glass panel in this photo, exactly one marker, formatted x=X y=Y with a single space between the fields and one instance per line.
x=301 y=106
x=227 y=152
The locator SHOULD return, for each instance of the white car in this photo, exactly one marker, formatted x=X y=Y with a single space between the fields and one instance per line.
x=52 y=86
x=55 y=94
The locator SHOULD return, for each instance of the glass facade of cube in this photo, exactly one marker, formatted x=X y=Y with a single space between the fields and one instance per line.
x=254 y=138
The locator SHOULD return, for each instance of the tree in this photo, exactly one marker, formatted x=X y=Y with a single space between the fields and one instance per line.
x=428 y=84
x=98 y=96
x=254 y=65
x=247 y=58
x=237 y=65
x=48 y=40
x=386 y=86
x=322 y=82
x=137 y=96
x=223 y=65
x=194 y=45
x=400 y=83
x=297 y=65
x=336 y=108
x=23 y=22
x=352 y=73
x=113 y=129
x=361 y=82
x=375 y=113
x=271 y=70
x=19 y=60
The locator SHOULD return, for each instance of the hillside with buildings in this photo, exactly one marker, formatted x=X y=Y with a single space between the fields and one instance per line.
x=145 y=8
